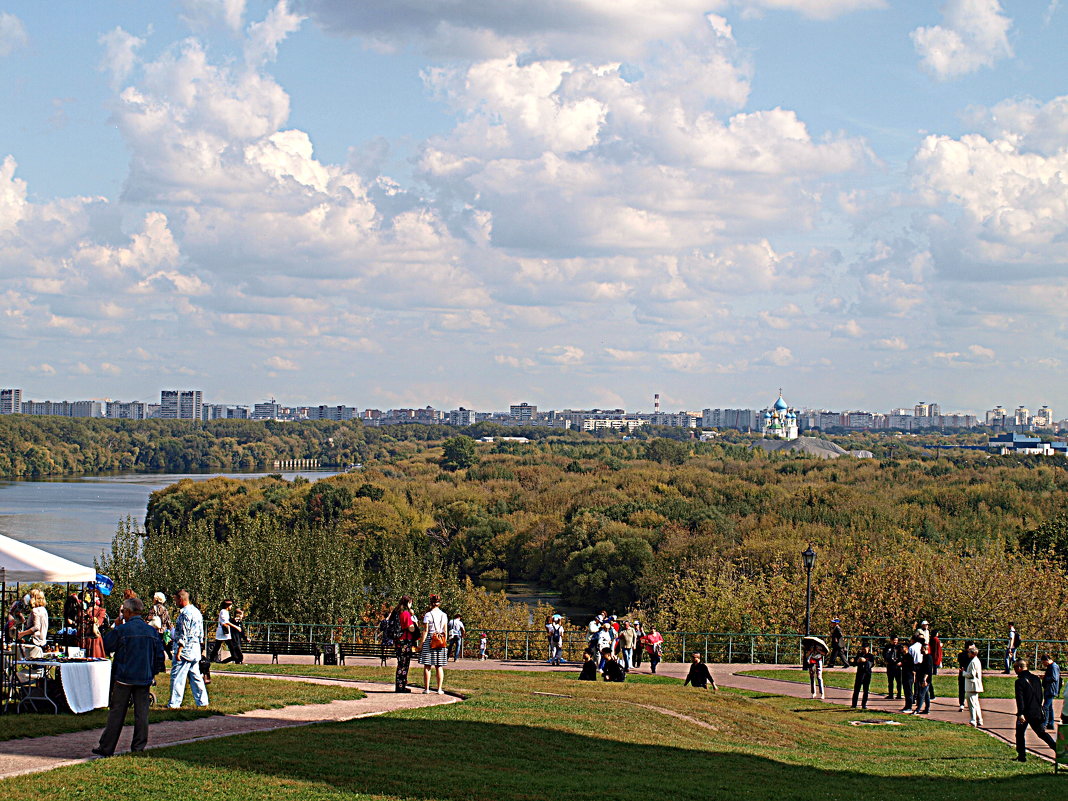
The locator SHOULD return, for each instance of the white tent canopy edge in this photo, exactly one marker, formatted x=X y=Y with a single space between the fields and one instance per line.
x=24 y=563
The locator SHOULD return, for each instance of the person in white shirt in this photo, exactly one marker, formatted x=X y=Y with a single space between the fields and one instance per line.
x=432 y=654
x=38 y=630
x=222 y=633
x=1011 y=645
x=973 y=685
x=923 y=631
x=456 y=637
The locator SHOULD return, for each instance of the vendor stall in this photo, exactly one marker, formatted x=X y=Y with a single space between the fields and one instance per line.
x=21 y=677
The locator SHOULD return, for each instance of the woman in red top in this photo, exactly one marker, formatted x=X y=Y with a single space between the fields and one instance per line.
x=409 y=635
x=91 y=619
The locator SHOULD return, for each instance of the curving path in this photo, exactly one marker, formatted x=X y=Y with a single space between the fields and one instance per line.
x=46 y=753
x=999 y=714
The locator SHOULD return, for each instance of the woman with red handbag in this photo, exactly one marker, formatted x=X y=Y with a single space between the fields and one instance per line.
x=434 y=652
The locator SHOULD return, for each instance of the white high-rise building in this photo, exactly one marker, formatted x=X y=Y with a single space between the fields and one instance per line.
x=996 y=417
x=181 y=404
x=522 y=412
x=268 y=410
x=10 y=401
x=1043 y=418
x=134 y=410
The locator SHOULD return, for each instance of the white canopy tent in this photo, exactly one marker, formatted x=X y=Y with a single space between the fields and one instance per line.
x=24 y=564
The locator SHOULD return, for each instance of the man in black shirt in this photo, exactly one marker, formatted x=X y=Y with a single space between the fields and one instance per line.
x=837 y=651
x=893 y=654
x=864 y=661
x=1029 y=710
x=612 y=670
x=699 y=675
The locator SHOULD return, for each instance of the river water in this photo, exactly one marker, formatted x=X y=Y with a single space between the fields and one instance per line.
x=76 y=518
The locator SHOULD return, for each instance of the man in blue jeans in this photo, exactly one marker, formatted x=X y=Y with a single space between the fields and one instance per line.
x=138 y=652
x=1051 y=687
x=188 y=644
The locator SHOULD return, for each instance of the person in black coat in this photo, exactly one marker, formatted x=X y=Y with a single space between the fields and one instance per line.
x=893 y=654
x=837 y=649
x=865 y=661
x=589 y=668
x=908 y=673
x=699 y=675
x=612 y=670
x=922 y=687
x=1029 y=710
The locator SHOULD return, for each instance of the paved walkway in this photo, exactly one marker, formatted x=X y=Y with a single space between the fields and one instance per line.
x=45 y=753
x=999 y=714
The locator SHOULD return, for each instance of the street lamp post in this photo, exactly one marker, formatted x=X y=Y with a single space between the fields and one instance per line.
x=809 y=557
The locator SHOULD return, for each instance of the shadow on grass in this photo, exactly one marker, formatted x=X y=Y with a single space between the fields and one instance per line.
x=435 y=759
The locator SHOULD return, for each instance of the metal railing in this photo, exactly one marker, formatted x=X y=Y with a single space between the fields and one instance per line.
x=718 y=647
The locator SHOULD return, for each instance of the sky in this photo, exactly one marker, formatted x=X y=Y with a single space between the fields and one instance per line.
x=570 y=203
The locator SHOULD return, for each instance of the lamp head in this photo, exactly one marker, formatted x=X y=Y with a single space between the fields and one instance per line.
x=809 y=556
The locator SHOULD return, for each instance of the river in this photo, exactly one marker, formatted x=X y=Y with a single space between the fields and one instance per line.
x=76 y=517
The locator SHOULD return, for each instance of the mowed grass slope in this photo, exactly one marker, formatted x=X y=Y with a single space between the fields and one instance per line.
x=945 y=683
x=226 y=694
x=648 y=737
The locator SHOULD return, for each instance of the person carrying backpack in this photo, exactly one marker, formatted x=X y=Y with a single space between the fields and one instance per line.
x=556 y=640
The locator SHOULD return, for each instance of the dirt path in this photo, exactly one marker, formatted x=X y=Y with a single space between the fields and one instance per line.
x=45 y=753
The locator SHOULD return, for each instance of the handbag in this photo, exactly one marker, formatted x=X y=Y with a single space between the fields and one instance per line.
x=438 y=640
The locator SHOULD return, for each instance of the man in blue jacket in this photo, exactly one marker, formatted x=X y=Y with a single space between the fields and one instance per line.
x=1051 y=687
x=138 y=656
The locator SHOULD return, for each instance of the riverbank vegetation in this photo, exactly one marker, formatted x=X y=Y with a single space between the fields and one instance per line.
x=696 y=536
x=35 y=446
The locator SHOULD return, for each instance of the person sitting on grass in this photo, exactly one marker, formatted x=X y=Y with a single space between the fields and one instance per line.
x=612 y=670
x=700 y=675
x=589 y=667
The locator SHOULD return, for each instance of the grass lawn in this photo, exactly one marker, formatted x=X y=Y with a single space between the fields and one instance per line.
x=648 y=737
x=944 y=683
x=227 y=694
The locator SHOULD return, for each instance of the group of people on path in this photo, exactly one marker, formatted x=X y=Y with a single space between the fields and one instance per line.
x=615 y=647
x=911 y=668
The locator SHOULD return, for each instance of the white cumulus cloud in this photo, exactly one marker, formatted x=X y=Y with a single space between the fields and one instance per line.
x=12 y=34
x=974 y=34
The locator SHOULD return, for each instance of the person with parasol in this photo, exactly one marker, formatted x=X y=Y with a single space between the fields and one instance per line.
x=815 y=650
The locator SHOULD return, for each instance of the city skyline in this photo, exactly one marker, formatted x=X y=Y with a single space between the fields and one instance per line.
x=523 y=409
x=407 y=203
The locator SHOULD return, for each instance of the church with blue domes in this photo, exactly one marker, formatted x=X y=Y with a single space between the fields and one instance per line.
x=780 y=421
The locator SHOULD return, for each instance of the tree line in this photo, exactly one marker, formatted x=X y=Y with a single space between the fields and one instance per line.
x=696 y=536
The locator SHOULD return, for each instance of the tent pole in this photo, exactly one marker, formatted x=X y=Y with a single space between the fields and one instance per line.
x=5 y=684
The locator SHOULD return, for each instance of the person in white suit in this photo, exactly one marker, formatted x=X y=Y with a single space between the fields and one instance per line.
x=973 y=685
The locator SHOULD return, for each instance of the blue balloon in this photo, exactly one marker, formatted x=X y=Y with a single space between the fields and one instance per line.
x=104 y=584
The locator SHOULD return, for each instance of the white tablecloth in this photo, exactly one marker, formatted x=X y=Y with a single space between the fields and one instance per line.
x=86 y=684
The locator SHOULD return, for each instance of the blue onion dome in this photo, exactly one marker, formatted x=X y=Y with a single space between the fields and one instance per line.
x=780 y=404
